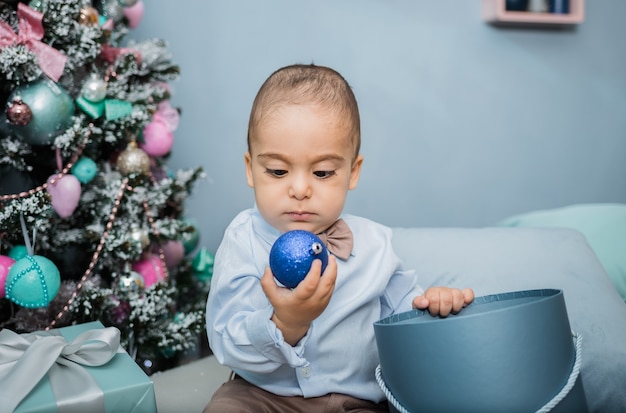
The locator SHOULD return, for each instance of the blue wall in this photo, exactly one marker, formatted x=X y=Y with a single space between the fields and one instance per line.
x=463 y=123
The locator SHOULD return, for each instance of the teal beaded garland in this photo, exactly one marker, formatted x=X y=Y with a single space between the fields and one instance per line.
x=33 y=282
x=52 y=111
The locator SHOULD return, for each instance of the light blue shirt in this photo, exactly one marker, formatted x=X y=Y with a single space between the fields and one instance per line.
x=338 y=354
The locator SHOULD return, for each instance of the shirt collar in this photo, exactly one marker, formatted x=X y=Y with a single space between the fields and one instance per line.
x=265 y=231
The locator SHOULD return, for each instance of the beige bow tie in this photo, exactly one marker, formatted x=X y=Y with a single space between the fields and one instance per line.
x=338 y=239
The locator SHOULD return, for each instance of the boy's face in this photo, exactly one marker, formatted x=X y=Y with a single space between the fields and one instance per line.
x=301 y=167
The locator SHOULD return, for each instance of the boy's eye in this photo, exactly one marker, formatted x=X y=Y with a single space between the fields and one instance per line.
x=276 y=172
x=324 y=174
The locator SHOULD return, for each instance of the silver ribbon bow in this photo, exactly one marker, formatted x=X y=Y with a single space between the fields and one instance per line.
x=26 y=358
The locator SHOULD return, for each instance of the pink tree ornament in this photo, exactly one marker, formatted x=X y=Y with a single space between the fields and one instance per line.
x=157 y=139
x=174 y=252
x=134 y=14
x=5 y=265
x=158 y=136
x=65 y=193
x=151 y=269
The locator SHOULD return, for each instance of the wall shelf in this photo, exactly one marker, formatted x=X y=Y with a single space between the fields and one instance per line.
x=495 y=12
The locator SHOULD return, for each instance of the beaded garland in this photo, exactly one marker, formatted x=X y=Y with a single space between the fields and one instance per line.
x=64 y=171
x=96 y=255
x=111 y=219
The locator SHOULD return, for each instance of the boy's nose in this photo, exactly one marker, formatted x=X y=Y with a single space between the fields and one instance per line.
x=300 y=188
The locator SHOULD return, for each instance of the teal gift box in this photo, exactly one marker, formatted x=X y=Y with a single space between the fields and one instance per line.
x=83 y=368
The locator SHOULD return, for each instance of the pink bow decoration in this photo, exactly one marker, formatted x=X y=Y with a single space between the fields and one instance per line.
x=30 y=32
x=168 y=115
x=109 y=53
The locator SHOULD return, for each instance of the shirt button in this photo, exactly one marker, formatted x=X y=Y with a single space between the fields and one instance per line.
x=306 y=372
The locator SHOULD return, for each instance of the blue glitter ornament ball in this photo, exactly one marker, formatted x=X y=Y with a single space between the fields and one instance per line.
x=293 y=253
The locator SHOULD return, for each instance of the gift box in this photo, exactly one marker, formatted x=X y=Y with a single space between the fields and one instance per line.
x=80 y=368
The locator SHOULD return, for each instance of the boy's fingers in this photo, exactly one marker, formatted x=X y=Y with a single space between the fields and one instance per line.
x=268 y=284
x=434 y=304
x=328 y=279
x=308 y=285
x=468 y=295
x=458 y=301
x=420 y=302
x=330 y=273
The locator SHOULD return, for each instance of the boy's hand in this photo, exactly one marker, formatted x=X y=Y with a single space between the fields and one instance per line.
x=442 y=300
x=294 y=310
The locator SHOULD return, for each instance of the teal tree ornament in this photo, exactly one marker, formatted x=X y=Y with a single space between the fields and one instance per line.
x=50 y=111
x=33 y=280
x=85 y=169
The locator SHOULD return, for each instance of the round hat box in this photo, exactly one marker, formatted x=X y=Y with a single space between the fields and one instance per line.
x=510 y=352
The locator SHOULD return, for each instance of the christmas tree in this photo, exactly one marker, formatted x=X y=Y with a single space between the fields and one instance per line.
x=92 y=223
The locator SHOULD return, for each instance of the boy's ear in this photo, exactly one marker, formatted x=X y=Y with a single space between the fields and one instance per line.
x=248 y=160
x=355 y=172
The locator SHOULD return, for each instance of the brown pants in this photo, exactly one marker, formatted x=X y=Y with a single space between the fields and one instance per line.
x=239 y=396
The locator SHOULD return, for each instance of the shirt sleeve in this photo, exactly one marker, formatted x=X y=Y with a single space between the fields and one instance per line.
x=400 y=292
x=239 y=327
x=402 y=288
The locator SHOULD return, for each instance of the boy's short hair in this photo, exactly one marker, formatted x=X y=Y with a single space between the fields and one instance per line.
x=305 y=84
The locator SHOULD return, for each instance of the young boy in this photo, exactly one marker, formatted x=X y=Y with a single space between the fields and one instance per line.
x=312 y=348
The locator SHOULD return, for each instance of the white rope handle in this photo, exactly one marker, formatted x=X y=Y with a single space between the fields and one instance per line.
x=385 y=389
x=571 y=381
x=572 y=377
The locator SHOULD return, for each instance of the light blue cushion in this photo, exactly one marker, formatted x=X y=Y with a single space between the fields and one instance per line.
x=604 y=226
x=497 y=260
